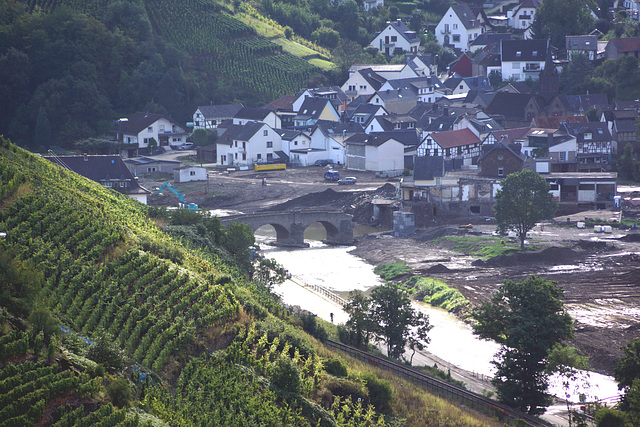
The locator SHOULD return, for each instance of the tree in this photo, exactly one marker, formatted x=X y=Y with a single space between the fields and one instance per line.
x=556 y=19
x=418 y=338
x=627 y=370
x=392 y=312
x=523 y=200
x=360 y=323
x=527 y=318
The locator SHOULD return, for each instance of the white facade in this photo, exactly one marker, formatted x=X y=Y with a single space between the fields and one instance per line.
x=326 y=147
x=389 y=156
x=521 y=17
x=357 y=85
x=190 y=173
x=142 y=198
x=451 y=31
x=260 y=147
x=390 y=40
x=272 y=119
x=163 y=131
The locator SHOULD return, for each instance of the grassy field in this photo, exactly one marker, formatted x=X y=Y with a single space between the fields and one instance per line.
x=482 y=246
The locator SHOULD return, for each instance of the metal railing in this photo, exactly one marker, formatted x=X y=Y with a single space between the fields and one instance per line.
x=320 y=290
x=442 y=388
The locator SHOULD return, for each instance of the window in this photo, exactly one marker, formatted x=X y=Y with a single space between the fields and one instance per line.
x=121 y=184
x=394 y=39
x=295 y=142
x=563 y=156
x=456 y=38
x=192 y=173
x=108 y=184
x=461 y=87
x=150 y=129
x=352 y=88
x=455 y=26
x=363 y=87
x=235 y=156
x=518 y=54
x=259 y=156
x=515 y=65
x=161 y=128
x=587 y=136
x=236 y=143
x=500 y=171
x=470 y=37
x=128 y=140
x=269 y=144
x=534 y=53
x=244 y=156
x=151 y=169
x=269 y=157
x=265 y=133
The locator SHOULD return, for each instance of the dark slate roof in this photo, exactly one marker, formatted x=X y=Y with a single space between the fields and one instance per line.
x=138 y=122
x=363 y=109
x=589 y=42
x=407 y=33
x=580 y=103
x=313 y=107
x=508 y=104
x=441 y=124
x=376 y=139
x=252 y=113
x=428 y=167
x=101 y=169
x=374 y=79
x=627 y=105
x=337 y=128
x=283 y=103
x=240 y=132
x=466 y=15
x=554 y=122
x=289 y=134
x=215 y=111
x=486 y=38
x=148 y=160
x=599 y=130
x=514 y=149
x=530 y=50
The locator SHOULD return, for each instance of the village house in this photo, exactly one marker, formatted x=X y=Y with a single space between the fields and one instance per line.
x=297 y=146
x=334 y=94
x=522 y=59
x=142 y=132
x=458 y=28
x=244 y=145
x=262 y=115
x=622 y=126
x=582 y=45
x=210 y=116
x=396 y=38
x=379 y=152
x=314 y=109
x=143 y=166
x=617 y=48
x=521 y=16
x=108 y=171
x=455 y=144
x=364 y=82
x=501 y=159
x=513 y=110
x=594 y=146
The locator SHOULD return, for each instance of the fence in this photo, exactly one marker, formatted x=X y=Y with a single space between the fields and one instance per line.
x=444 y=389
x=320 y=290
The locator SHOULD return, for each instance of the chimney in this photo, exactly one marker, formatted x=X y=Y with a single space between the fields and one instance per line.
x=85 y=157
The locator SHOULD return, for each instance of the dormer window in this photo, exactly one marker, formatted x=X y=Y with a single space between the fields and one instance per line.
x=587 y=136
x=534 y=53
x=518 y=54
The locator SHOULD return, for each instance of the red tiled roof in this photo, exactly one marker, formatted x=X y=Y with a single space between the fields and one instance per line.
x=455 y=138
x=629 y=44
x=553 y=122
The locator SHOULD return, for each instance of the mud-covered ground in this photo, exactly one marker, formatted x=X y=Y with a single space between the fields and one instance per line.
x=599 y=273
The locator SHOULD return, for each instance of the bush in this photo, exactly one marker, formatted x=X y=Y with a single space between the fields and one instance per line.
x=119 y=392
x=380 y=393
x=344 y=387
x=285 y=375
x=311 y=326
x=335 y=367
x=103 y=351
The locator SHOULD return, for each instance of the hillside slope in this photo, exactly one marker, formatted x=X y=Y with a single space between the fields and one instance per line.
x=100 y=308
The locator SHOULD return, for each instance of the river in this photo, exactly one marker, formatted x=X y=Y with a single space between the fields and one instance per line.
x=334 y=268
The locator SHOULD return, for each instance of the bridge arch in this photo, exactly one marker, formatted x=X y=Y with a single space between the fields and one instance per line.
x=290 y=226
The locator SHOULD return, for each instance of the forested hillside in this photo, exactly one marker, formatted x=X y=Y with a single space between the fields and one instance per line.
x=105 y=318
x=68 y=68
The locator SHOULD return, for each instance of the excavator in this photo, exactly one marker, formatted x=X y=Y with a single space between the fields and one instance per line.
x=174 y=190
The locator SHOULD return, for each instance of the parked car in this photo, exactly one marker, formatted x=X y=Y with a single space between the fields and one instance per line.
x=349 y=180
x=332 y=175
x=157 y=150
x=323 y=162
x=187 y=146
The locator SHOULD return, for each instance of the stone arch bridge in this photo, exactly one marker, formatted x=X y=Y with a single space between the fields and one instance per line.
x=290 y=226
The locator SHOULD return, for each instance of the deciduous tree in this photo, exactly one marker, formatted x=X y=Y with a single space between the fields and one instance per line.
x=527 y=318
x=522 y=201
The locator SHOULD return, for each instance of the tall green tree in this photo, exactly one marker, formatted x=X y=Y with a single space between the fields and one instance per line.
x=360 y=324
x=527 y=318
x=627 y=369
x=392 y=312
x=556 y=19
x=522 y=201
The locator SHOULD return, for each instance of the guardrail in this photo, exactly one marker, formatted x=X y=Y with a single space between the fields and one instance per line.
x=442 y=388
x=322 y=291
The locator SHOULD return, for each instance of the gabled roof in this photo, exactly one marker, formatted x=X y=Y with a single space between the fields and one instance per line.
x=588 y=42
x=363 y=109
x=581 y=103
x=376 y=139
x=629 y=44
x=502 y=144
x=408 y=34
x=441 y=124
x=455 y=138
x=524 y=50
x=312 y=108
x=137 y=122
x=240 y=132
x=512 y=135
x=252 y=113
x=487 y=38
x=148 y=160
x=283 y=103
x=466 y=15
x=599 y=130
x=374 y=79
x=290 y=134
x=101 y=169
x=219 y=111
x=508 y=104
x=531 y=4
x=338 y=128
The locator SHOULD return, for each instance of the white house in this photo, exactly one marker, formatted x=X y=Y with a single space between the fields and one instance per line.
x=453 y=144
x=325 y=145
x=376 y=152
x=521 y=16
x=210 y=116
x=244 y=145
x=142 y=131
x=458 y=28
x=396 y=37
x=189 y=173
x=391 y=71
x=297 y=145
x=522 y=59
x=372 y=4
x=363 y=82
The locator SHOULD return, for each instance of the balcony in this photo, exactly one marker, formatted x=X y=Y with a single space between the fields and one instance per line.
x=445 y=31
x=532 y=68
